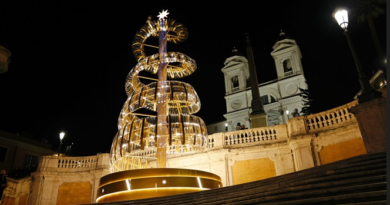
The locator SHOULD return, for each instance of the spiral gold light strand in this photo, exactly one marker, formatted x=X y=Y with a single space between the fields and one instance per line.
x=137 y=140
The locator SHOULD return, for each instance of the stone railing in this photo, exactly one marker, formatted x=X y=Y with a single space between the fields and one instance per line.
x=334 y=117
x=319 y=122
x=248 y=137
x=77 y=163
x=171 y=150
x=302 y=125
x=73 y=164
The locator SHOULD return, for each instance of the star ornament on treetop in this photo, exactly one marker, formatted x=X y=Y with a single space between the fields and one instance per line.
x=163 y=14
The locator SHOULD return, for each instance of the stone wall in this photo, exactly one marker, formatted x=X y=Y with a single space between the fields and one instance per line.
x=17 y=191
x=237 y=157
x=67 y=180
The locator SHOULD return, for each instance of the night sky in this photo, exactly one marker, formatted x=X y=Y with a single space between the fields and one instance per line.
x=70 y=59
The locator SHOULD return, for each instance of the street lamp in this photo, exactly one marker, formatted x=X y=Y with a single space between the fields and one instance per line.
x=62 y=134
x=368 y=93
x=288 y=117
x=226 y=127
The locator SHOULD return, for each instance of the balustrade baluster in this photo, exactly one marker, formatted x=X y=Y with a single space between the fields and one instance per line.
x=327 y=119
x=345 y=111
x=226 y=140
x=318 y=122
x=341 y=116
x=333 y=120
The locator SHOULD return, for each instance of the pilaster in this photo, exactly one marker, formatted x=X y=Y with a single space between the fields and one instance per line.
x=302 y=151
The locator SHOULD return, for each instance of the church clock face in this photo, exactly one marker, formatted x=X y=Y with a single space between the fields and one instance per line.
x=236 y=104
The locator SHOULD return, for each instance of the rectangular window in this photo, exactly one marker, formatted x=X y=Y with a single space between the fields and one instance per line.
x=3 y=154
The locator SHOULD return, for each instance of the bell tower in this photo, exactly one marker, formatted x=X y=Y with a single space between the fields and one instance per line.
x=236 y=72
x=287 y=57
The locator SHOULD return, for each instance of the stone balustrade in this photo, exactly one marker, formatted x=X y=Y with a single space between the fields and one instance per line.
x=248 y=137
x=145 y=153
x=330 y=119
x=302 y=125
x=72 y=164
x=78 y=163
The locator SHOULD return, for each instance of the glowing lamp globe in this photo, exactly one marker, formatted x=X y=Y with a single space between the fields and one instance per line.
x=341 y=17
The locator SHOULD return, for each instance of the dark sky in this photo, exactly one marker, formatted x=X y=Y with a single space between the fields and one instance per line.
x=70 y=59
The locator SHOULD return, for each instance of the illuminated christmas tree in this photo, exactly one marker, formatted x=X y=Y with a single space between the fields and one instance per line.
x=143 y=139
x=174 y=129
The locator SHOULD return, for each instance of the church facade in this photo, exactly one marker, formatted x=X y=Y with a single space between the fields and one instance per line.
x=280 y=97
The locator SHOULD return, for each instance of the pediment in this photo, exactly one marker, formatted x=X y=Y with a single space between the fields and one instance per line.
x=236 y=59
x=232 y=65
x=283 y=47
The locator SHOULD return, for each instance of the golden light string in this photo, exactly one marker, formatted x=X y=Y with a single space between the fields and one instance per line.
x=137 y=137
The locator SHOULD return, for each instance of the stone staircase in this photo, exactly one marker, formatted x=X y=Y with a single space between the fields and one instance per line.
x=359 y=180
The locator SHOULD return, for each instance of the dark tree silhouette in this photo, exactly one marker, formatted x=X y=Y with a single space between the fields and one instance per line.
x=367 y=10
x=307 y=101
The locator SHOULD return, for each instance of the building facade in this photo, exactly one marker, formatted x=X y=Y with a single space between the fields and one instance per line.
x=19 y=151
x=281 y=97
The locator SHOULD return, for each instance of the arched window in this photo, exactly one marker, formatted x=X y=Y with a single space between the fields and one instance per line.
x=287 y=68
x=235 y=85
x=266 y=99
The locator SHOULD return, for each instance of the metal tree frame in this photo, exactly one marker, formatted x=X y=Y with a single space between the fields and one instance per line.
x=142 y=137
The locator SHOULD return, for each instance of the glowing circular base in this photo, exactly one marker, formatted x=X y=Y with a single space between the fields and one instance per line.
x=148 y=183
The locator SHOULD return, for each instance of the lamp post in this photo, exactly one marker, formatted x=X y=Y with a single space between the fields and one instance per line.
x=288 y=117
x=226 y=127
x=368 y=93
x=62 y=134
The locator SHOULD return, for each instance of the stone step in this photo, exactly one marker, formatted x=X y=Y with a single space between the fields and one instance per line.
x=319 y=171
x=291 y=183
x=358 y=176
x=383 y=202
x=274 y=190
x=307 y=179
x=353 y=198
x=217 y=194
x=287 y=187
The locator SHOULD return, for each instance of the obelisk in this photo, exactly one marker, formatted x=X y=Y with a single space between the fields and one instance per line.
x=258 y=117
